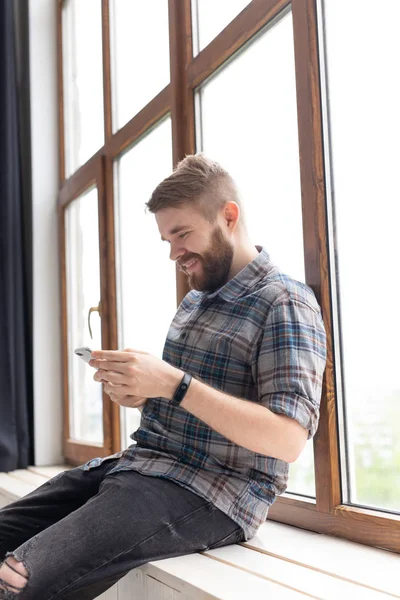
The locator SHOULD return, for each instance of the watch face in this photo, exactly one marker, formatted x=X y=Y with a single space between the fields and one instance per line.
x=182 y=389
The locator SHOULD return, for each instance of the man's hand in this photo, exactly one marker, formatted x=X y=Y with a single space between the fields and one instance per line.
x=131 y=376
x=128 y=401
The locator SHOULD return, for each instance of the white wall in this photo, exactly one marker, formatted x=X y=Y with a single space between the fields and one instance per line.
x=46 y=297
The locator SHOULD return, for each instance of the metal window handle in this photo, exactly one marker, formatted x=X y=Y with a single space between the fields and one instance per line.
x=93 y=309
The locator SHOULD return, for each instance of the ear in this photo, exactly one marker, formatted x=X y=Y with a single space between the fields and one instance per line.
x=231 y=214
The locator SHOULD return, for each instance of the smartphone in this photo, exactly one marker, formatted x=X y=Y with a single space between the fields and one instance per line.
x=85 y=353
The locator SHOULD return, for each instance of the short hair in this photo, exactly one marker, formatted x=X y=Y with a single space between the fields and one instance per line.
x=200 y=182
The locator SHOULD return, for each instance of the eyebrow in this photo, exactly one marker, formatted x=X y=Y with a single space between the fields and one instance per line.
x=176 y=229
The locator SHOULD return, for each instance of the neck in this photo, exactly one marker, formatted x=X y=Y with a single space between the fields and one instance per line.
x=244 y=254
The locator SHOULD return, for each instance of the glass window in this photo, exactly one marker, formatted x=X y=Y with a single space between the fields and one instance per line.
x=364 y=99
x=251 y=129
x=249 y=124
x=83 y=82
x=140 y=55
x=210 y=17
x=301 y=473
x=145 y=274
x=83 y=293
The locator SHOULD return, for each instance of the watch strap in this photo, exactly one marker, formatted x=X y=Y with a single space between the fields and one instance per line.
x=181 y=390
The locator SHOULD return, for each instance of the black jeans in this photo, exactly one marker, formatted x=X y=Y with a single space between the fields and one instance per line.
x=82 y=531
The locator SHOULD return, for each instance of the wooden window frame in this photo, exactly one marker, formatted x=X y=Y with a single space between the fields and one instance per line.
x=328 y=514
x=89 y=175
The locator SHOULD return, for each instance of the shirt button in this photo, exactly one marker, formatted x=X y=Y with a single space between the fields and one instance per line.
x=183 y=335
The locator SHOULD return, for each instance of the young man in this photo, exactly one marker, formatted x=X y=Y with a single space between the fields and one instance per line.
x=230 y=405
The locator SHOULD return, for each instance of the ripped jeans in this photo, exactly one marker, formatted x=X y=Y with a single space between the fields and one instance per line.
x=82 y=531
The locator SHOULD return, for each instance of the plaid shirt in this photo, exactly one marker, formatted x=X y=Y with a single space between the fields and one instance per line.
x=260 y=337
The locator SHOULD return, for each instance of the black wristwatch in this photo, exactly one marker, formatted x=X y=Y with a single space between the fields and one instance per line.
x=181 y=390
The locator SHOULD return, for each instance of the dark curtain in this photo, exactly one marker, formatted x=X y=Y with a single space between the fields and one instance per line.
x=16 y=390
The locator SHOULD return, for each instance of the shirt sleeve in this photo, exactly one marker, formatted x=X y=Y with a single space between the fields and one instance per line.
x=291 y=361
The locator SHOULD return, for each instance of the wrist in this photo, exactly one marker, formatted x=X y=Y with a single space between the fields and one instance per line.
x=173 y=382
x=182 y=389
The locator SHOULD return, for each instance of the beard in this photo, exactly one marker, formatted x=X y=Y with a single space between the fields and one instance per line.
x=214 y=264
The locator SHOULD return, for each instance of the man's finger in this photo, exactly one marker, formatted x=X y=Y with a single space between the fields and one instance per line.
x=110 y=355
x=128 y=401
x=113 y=376
x=115 y=388
x=116 y=355
x=107 y=365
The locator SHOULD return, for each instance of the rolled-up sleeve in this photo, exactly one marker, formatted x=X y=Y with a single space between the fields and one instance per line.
x=290 y=362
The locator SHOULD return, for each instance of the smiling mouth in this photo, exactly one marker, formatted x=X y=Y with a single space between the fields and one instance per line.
x=189 y=265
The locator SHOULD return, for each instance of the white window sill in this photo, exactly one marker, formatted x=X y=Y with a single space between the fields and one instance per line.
x=282 y=561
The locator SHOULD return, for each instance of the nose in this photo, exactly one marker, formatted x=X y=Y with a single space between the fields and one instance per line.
x=176 y=251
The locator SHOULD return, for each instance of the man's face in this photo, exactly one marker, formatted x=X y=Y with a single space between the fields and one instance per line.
x=200 y=248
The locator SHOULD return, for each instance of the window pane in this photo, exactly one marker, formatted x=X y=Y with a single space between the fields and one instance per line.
x=251 y=129
x=210 y=17
x=301 y=473
x=140 y=52
x=146 y=275
x=83 y=292
x=364 y=100
x=83 y=82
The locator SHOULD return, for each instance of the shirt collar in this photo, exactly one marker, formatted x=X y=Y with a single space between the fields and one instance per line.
x=246 y=279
